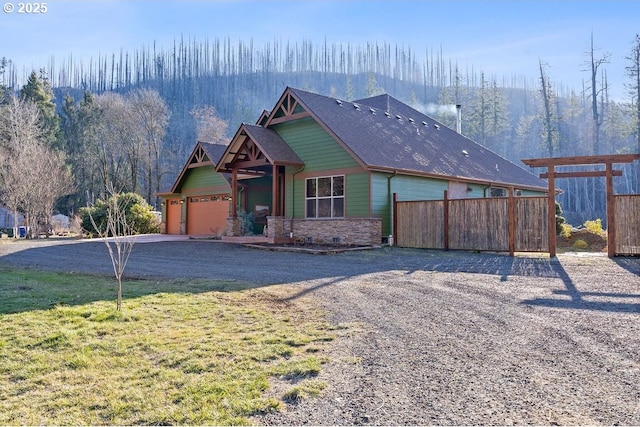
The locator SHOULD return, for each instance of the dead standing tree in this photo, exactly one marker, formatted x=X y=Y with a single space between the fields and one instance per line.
x=117 y=232
x=596 y=90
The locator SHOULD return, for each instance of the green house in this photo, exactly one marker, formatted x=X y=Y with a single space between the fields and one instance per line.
x=320 y=169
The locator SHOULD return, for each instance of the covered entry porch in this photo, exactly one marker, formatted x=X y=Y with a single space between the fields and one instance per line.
x=258 y=160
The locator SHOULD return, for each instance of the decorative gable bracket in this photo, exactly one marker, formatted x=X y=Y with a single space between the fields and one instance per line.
x=287 y=109
x=199 y=158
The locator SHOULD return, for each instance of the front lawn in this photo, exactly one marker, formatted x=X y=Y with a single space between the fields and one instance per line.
x=180 y=352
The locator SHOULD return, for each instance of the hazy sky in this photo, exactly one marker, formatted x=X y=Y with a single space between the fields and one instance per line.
x=502 y=38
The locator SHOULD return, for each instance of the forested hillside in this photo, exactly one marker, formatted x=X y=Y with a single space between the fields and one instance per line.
x=133 y=117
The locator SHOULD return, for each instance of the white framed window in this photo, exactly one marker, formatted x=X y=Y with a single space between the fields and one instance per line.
x=324 y=197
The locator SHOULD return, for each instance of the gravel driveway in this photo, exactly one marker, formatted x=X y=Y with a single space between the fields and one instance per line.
x=442 y=337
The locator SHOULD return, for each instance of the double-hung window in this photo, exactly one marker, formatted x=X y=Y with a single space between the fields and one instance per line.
x=325 y=197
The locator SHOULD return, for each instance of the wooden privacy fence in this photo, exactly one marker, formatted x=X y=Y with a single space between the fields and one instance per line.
x=505 y=224
x=627 y=217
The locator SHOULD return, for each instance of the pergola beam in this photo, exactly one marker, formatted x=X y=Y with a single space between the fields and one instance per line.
x=582 y=174
x=581 y=160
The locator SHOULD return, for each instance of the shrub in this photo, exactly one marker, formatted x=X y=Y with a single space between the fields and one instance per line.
x=594 y=227
x=246 y=222
x=566 y=230
x=580 y=244
x=138 y=213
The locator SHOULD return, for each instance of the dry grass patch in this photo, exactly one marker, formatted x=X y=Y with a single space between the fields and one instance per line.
x=196 y=352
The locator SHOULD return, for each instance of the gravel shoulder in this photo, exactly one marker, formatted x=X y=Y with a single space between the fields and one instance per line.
x=444 y=338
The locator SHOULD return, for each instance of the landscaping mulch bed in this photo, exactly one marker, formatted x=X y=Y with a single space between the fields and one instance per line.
x=594 y=242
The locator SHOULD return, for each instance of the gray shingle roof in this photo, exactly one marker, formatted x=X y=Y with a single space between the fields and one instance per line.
x=272 y=145
x=214 y=151
x=386 y=134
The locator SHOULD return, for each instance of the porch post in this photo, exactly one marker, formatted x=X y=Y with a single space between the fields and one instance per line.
x=234 y=192
x=275 y=208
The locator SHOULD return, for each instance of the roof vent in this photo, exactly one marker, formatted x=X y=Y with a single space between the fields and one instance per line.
x=398 y=116
x=411 y=120
x=425 y=123
x=437 y=126
x=338 y=102
x=356 y=106
x=372 y=110
x=466 y=153
x=386 y=113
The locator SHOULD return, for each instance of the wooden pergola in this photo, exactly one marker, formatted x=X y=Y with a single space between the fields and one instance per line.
x=608 y=173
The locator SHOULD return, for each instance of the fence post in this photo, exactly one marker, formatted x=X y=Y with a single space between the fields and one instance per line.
x=511 y=212
x=611 y=219
x=445 y=220
x=551 y=211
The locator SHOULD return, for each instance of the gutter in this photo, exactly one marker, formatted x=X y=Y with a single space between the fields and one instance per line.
x=390 y=198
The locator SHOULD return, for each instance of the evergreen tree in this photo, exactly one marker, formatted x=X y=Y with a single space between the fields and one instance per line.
x=478 y=120
x=38 y=90
x=4 y=90
x=498 y=120
x=372 y=88
x=350 y=94
x=80 y=122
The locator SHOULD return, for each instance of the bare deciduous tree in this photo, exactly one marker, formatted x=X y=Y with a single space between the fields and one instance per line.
x=152 y=117
x=33 y=175
x=209 y=127
x=131 y=133
x=112 y=134
x=118 y=235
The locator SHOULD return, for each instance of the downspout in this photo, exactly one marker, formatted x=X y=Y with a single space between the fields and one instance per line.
x=390 y=198
x=484 y=190
x=293 y=197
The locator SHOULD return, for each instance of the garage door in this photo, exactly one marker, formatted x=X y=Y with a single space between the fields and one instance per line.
x=173 y=216
x=207 y=215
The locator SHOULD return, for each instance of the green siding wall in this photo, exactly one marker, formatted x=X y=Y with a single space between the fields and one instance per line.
x=356 y=195
x=381 y=201
x=317 y=149
x=322 y=156
x=477 y=191
x=407 y=188
x=203 y=177
x=291 y=193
